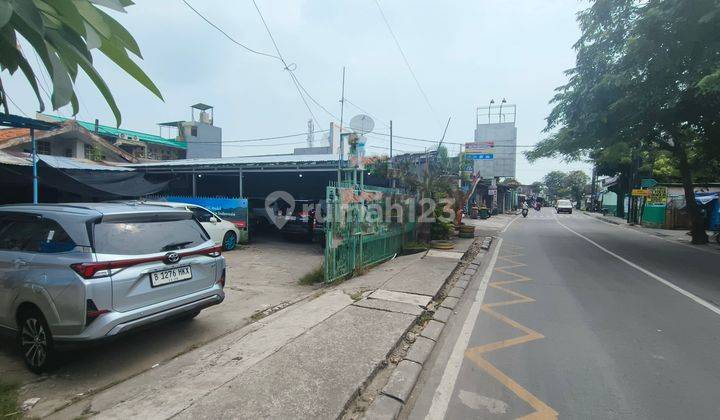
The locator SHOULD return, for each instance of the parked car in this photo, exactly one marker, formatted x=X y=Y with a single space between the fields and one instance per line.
x=77 y=273
x=222 y=232
x=564 y=206
x=302 y=222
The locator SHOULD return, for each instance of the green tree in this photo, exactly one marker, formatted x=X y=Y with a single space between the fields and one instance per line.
x=647 y=75
x=574 y=184
x=555 y=183
x=63 y=34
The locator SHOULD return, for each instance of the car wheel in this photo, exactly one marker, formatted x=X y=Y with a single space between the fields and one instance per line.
x=229 y=241
x=35 y=341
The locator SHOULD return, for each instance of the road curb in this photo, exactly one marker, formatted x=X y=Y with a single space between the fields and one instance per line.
x=398 y=388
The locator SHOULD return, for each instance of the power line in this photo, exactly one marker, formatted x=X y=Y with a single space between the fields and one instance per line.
x=280 y=57
x=366 y=112
x=16 y=105
x=274 y=138
x=407 y=63
x=233 y=40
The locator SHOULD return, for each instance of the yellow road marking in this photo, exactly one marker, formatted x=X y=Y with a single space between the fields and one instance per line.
x=542 y=410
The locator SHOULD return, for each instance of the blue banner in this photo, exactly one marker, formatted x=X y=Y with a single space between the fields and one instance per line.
x=232 y=209
x=480 y=156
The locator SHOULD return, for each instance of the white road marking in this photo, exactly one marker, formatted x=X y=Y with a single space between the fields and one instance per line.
x=444 y=391
x=508 y=225
x=650 y=274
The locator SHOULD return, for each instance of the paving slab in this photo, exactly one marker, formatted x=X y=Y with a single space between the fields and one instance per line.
x=453 y=255
x=463 y=284
x=383 y=408
x=387 y=305
x=456 y=292
x=420 y=350
x=409 y=298
x=402 y=380
x=426 y=277
x=432 y=330
x=442 y=314
x=449 y=302
x=315 y=375
x=170 y=388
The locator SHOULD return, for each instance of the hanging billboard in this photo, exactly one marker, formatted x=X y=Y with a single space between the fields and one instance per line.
x=503 y=137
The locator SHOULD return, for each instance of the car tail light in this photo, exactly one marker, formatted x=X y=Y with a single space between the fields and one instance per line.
x=221 y=280
x=92 y=312
x=91 y=269
x=240 y=224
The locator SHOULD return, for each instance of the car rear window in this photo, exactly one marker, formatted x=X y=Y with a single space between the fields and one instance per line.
x=137 y=237
x=564 y=202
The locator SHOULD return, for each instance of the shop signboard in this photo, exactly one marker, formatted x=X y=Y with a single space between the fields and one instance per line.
x=658 y=196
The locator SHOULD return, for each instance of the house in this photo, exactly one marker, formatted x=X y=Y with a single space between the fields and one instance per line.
x=69 y=139
x=139 y=145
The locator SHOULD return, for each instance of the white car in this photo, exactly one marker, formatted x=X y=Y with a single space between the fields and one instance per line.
x=564 y=206
x=222 y=232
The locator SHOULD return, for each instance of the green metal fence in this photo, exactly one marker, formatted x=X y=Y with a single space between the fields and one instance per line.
x=364 y=226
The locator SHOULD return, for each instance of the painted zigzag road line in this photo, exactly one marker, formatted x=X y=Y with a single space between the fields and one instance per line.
x=542 y=410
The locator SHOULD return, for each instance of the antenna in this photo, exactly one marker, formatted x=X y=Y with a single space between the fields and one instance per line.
x=362 y=124
x=311 y=133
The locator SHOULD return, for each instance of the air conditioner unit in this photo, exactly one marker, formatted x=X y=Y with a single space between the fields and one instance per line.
x=136 y=138
x=123 y=136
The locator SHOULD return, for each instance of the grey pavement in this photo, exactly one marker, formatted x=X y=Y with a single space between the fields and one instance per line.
x=579 y=333
x=306 y=361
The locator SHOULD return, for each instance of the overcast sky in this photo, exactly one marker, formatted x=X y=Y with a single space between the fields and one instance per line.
x=464 y=53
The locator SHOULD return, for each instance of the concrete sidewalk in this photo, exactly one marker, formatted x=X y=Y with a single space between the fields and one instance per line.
x=672 y=235
x=307 y=361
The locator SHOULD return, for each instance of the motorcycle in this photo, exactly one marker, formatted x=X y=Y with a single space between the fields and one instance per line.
x=524 y=212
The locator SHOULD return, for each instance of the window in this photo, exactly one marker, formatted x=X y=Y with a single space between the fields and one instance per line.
x=136 y=238
x=69 y=152
x=43 y=147
x=201 y=214
x=193 y=131
x=28 y=233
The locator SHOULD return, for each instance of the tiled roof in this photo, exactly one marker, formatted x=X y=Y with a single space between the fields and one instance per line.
x=107 y=130
x=12 y=133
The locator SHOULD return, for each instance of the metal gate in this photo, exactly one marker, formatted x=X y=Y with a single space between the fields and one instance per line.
x=364 y=226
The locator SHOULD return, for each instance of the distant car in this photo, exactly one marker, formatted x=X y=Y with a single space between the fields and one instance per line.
x=223 y=232
x=564 y=206
x=77 y=273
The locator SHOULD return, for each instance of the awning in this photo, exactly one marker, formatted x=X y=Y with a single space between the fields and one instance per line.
x=704 y=198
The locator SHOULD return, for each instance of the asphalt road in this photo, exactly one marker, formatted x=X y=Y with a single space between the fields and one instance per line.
x=581 y=319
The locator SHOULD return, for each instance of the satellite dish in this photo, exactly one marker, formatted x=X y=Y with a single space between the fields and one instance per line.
x=362 y=124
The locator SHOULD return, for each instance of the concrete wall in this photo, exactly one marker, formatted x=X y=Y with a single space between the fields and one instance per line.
x=206 y=144
x=505 y=137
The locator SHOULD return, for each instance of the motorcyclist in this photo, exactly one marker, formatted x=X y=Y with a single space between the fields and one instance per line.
x=524 y=208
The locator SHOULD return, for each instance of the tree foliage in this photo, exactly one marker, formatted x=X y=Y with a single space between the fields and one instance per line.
x=63 y=34
x=646 y=77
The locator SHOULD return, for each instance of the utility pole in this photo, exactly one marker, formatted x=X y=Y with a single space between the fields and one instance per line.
x=593 y=188
x=390 y=164
x=35 y=163
x=342 y=112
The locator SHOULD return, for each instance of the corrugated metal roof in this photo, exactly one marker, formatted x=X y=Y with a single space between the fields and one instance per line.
x=8 y=159
x=104 y=129
x=61 y=162
x=240 y=160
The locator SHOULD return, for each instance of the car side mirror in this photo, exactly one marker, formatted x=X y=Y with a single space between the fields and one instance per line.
x=213 y=219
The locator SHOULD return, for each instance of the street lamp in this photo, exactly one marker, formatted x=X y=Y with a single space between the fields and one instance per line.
x=504 y=101
x=492 y=101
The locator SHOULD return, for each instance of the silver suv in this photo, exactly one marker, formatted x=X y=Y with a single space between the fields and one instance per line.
x=75 y=273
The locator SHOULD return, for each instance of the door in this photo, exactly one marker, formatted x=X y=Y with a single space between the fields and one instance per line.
x=206 y=217
x=14 y=260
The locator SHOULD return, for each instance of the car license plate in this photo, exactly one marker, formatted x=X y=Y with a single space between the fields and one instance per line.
x=160 y=278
